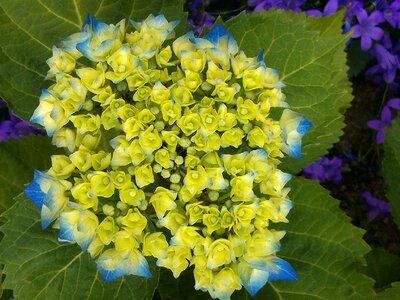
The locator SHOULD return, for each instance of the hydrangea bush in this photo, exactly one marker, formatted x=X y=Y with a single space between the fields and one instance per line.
x=171 y=151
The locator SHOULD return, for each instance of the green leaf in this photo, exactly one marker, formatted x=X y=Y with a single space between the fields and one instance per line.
x=323 y=247
x=391 y=169
x=18 y=159
x=383 y=267
x=390 y=293
x=309 y=55
x=29 y=31
x=40 y=267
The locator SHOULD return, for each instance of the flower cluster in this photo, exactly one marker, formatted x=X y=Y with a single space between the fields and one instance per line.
x=173 y=154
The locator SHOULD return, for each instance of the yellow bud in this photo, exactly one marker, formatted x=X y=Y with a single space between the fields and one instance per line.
x=86 y=195
x=109 y=119
x=134 y=222
x=242 y=188
x=211 y=220
x=82 y=159
x=171 y=112
x=232 y=137
x=64 y=137
x=173 y=220
x=120 y=179
x=102 y=184
x=220 y=253
x=132 y=196
x=142 y=94
x=196 y=180
x=122 y=63
x=137 y=79
x=144 y=175
x=253 y=78
x=150 y=140
x=163 y=158
x=155 y=244
x=101 y=160
x=163 y=57
x=193 y=61
x=182 y=95
x=187 y=236
x=224 y=283
x=61 y=167
x=227 y=218
x=225 y=93
x=93 y=79
x=195 y=212
x=106 y=230
x=171 y=139
x=163 y=200
x=176 y=259
x=104 y=96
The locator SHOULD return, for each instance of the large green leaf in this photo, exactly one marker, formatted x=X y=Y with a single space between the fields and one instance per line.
x=309 y=55
x=29 y=29
x=391 y=169
x=390 y=293
x=18 y=159
x=40 y=267
x=326 y=251
x=383 y=267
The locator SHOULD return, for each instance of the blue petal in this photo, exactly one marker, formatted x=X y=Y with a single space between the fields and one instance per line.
x=256 y=281
x=285 y=271
x=34 y=192
x=86 y=22
x=304 y=126
x=66 y=232
x=109 y=275
x=260 y=55
x=215 y=33
x=294 y=149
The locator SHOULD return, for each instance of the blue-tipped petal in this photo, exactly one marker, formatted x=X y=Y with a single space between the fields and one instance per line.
x=215 y=33
x=284 y=271
x=113 y=264
x=256 y=281
x=260 y=55
x=86 y=22
x=34 y=192
x=304 y=126
x=294 y=150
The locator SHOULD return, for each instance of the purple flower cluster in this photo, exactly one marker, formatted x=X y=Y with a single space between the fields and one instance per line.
x=325 y=169
x=13 y=127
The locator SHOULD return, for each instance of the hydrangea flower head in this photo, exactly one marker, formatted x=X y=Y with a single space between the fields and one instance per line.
x=172 y=153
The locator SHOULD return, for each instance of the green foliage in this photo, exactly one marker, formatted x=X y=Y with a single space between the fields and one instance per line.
x=30 y=31
x=40 y=267
x=383 y=267
x=390 y=293
x=18 y=159
x=323 y=247
x=309 y=55
x=357 y=59
x=391 y=169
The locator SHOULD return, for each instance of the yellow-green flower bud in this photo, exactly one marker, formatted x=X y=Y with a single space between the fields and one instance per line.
x=150 y=140
x=64 y=138
x=227 y=218
x=256 y=137
x=193 y=61
x=134 y=222
x=101 y=160
x=102 y=184
x=163 y=200
x=211 y=220
x=232 y=137
x=85 y=194
x=108 y=210
x=106 y=230
x=142 y=94
x=61 y=167
x=186 y=236
x=182 y=95
x=195 y=211
x=163 y=158
x=220 y=253
x=242 y=188
x=189 y=123
x=132 y=196
x=144 y=175
x=163 y=57
x=82 y=159
x=171 y=139
x=173 y=220
x=196 y=180
x=155 y=244
x=170 y=111
x=120 y=179
x=176 y=259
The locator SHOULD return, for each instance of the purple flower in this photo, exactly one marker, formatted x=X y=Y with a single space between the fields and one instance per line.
x=381 y=125
x=367 y=29
x=376 y=206
x=388 y=62
x=391 y=12
x=394 y=103
x=330 y=8
x=14 y=127
x=353 y=7
x=325 y=169
x=294 y=5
